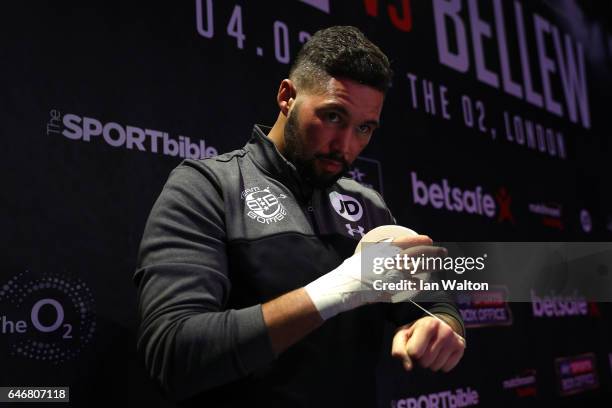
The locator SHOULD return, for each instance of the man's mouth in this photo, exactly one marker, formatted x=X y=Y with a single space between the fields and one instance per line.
x=330 y=165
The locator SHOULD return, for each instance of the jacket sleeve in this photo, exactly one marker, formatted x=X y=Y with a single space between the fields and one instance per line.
x=189 y=342
x=438 y=302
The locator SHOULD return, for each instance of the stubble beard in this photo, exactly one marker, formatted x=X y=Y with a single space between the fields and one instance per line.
x=304 y=162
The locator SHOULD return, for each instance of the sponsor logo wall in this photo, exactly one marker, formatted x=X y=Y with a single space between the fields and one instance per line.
x=495 y=129
x=576 y=374
x=522 y=385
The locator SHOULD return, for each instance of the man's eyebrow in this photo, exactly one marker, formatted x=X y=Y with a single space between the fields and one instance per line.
x=375 y=124
x=342 y=109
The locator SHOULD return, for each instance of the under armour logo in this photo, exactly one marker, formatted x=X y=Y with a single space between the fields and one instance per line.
x=352 y=231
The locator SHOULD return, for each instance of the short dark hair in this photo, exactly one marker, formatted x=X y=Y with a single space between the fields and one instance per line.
x=340 y=51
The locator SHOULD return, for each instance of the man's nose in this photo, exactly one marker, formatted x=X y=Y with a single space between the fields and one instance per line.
x=341 y=142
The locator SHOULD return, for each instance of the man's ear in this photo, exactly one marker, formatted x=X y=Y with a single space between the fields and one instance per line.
x=286 y=96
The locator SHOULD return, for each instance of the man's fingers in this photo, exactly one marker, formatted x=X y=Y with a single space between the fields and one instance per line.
x=420 y=339
x=417 y=260
x=430 y=342
x=452 y=360
x=427 y=251
x=399 y=352
x=442 y=358
x=407 y=363
x=398 y=347
x=431 y=353
x=408 y=241
x=399 y=340
x=445 y=343
x=399 y=344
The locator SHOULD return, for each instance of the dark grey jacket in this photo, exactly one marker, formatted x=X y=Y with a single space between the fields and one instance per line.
x=230 y=233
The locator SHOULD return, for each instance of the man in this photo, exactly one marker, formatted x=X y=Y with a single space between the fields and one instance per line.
x=243 y=255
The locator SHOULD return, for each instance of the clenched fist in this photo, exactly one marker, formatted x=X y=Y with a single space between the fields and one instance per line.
x=430 y=342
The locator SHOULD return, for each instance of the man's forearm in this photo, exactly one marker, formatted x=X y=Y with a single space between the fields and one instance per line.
x=289 y=318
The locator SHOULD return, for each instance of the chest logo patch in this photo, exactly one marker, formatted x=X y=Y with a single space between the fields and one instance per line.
x=346 y=206
x=263 y=206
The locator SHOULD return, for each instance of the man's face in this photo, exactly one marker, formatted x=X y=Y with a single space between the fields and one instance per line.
x=325 y=132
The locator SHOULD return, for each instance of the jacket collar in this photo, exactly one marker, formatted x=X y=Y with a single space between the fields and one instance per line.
x=269 y=159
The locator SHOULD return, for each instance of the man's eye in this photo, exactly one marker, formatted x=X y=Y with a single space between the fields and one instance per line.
x=333 y=117
x=364 y=128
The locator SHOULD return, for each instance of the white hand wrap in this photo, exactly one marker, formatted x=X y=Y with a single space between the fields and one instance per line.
x=350 y=285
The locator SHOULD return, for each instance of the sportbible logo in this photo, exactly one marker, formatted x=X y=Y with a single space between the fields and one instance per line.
x=457 y=399
x=446 y=197
x=86 y=129
x=263 y=206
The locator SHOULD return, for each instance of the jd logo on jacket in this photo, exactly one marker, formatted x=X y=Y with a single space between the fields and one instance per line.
x=346 y=206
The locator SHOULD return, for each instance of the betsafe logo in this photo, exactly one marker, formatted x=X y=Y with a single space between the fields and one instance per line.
x=444 y=196
x=557 y=305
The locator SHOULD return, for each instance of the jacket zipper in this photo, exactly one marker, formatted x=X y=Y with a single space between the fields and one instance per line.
x=313 y=219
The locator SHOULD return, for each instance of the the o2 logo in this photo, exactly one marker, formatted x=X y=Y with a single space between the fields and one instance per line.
x=59 y=319
x=48 y=317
